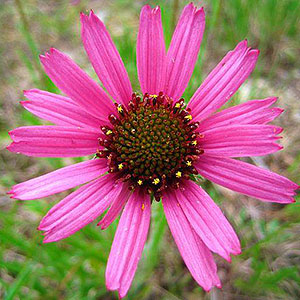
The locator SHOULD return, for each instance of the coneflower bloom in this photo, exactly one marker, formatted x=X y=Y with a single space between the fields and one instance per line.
x=150 y=145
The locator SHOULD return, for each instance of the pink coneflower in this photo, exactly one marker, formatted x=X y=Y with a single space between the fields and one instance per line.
x=150 y=145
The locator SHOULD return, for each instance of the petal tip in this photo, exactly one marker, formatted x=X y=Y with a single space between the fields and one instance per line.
x=279 y=147
x=42 y=57
x=219 y=285
x=12 y=194
x=11 y=147
x=111 y=286
x=147 y=6
x=201 y=10
x=92 y=13
x=83 y=17
x=236 y=252
x=243 y=44
x=156 y=10
x=228 y=259
x=102 y=226
x=24 y=102
x=94 y=18
x=46 y=240
x=279 y=110
x=279 y=130
x=254 y=52
x=122 y=294
x=207 y=289
x=53 y=50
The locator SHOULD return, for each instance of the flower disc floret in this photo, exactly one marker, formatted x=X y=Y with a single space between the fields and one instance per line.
x=152 y=143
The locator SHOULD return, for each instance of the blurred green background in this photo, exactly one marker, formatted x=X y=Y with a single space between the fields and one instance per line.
x=74 y=268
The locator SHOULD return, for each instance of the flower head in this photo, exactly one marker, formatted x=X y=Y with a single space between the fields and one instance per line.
x=150 y=144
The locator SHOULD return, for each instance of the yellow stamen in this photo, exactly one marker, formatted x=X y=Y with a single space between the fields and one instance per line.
x=108 y=132
x=188 y=117
x=156 y=181
x=120 y=166
x=140 y=182
x=194 y=143
x=177 y=105
x=153 y=96
x=143 y=206
x=189 y=163
x=120 y=109
x=178 y=174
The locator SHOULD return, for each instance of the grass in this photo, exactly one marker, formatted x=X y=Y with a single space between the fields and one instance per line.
x=74 y=268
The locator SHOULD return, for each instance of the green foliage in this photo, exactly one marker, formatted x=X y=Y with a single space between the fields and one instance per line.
x=74 y=268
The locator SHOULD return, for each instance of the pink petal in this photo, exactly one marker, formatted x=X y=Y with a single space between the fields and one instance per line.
x=79 y=208
x=252 y=112
x=116 y=207
x=223 y=81
x=128 y=243
x=151 y=52
x=208 y=221
x=267 y=115
x=240 y=140
x=105 y=58
x=58 y=110
x=53 y=141
x=77 y=84
x=59 y=180
x=184 y=48
x=247 y=179
x=194 y=252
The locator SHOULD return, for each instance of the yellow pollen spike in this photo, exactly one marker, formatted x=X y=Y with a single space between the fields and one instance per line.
x=194 y=143
x=143 y=206
x=120 y=109
x=140 y=182
x=120 y=166
x=108 y=132
x=178 y=174
x=177 y=105
x=153 y=96
x=156 y=181
x=188 y=117
x=189 y=163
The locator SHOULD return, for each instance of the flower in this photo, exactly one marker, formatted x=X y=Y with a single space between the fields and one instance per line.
x=150 y=145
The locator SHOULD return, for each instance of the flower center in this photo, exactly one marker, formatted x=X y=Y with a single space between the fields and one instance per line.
x=152 y=143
